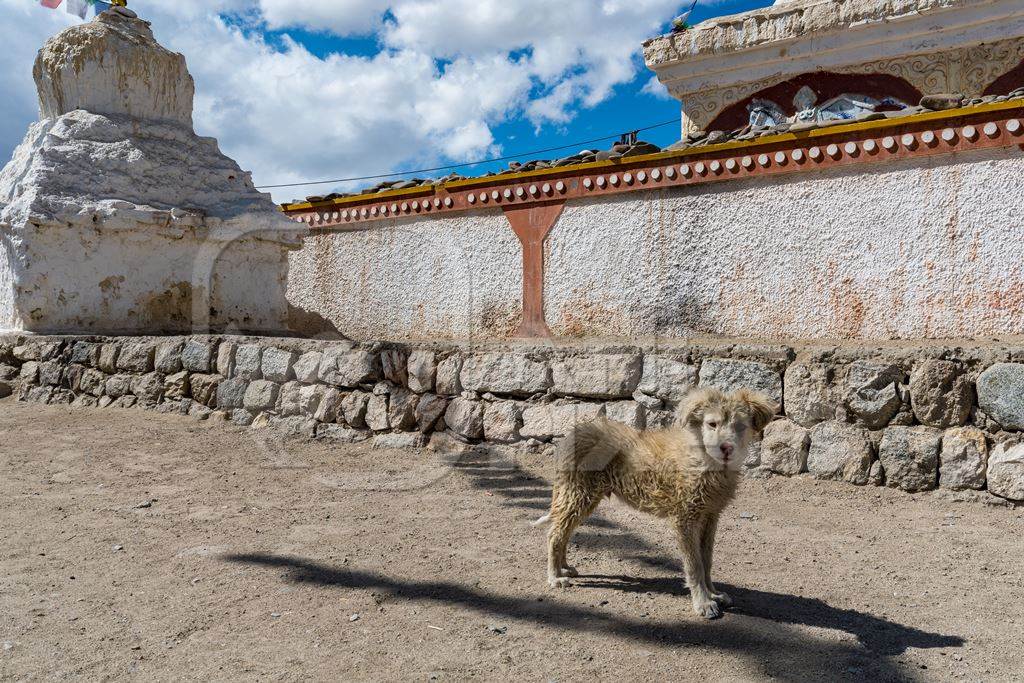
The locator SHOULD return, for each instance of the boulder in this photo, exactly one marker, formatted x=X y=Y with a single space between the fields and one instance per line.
x=226 y=359
x=197 y=356
x=910 y=457
x=377 y=413
x=1001 y=394
x=148 y=388
x=92 y=382
x=504 y=373
x=167 y=357
x=811 y=396
x=204 y=388
x=873 y=392
x=447 y=376
x=402 y=409
x=963 y=459
x=108 y=358
x=341 y=434
x=231 y=394
x=667 y=378
x=261 y=395
x=557 y=419
x=353 y=407
x=85 y=353
x=784 y=447
x=248 y=362
x=429 y=410
x=502 y=420
x=118 y=386
x=597 y=376
x=176 y=386
x=1006 y=471
x=394 y=366
x=399 y=441
x=630 y=413
x=329 y=409
x=276 y=365
x=465 y=417
x=729 y=375
x=422 y=370
x=136 y=357
x=840 y=452
x=310 y=397
x=941 y=394
x=307 y=366
x=29 y=372
x=349 y=367
x=288 y=399
x=51 y=373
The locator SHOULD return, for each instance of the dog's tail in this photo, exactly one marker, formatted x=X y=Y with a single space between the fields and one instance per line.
x=543 y=520
x=592 y=446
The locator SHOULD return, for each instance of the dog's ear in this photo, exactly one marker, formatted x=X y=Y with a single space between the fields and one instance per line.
x=761 y=408
x=692 y=407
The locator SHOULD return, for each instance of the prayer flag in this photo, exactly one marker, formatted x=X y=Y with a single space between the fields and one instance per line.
x=78 y=7
x=52 y=4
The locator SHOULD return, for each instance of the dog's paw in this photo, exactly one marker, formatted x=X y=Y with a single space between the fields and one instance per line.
x=722 y=599
x=559 y=582
x=708 y=609
x=569 y=571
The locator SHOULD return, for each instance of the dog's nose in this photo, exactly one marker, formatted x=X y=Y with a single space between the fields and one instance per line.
x=727 y=449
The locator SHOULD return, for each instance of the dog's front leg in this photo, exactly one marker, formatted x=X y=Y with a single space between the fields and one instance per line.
x=707 y=545
x=690 y=534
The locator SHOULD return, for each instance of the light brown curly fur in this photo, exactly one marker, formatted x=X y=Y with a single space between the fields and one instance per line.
x=687 y=474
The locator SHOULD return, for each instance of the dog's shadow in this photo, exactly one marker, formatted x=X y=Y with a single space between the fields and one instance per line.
x=877 y=635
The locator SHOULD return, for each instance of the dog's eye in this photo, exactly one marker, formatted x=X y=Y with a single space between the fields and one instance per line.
x=713 y=424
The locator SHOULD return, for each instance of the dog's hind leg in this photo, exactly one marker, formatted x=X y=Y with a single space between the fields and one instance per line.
x=569 y=508
x=707 y=545
x=689 y=532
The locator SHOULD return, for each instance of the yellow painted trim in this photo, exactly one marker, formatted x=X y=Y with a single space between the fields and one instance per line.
x=855 y=127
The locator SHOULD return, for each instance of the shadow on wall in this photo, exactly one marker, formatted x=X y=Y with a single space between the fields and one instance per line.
x=758 y=631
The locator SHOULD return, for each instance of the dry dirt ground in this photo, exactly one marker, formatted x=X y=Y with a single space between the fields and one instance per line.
x=253 y=558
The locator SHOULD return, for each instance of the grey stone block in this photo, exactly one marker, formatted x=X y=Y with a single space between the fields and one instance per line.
x=148 y=388
x=557 y=419
x=167 y=358
x=465 y=417
x=399 y=441
x=349 y=367
x=260 y=395
x=910 y=456
x=629 y=413
x=667 y=378
x=502 y=421
x=204 y=388
x=341 y=434
x=394 y=366
x=964 y=459
x=1001 y=394
x=402 y=409
x=377 y=413
x=784 y=447
x=249 y=362
x=429 y=410
x=1006 y=471
x=226 y=359
x=840 y=452
x=176 y=386
x=276 y=364
x=504 y=373
x=422 y=369
x=447 y=376
x=85 y=353
x=941 y=394
x=197 y=356
x=329 y=407
x=108 y=358
x=231 y=394
x=874 y=393
x=136 y=357
x=307 y=366
x=353 y=407
x=597 y=375
x=118 y=386
x=811 y=396
x=729 y=375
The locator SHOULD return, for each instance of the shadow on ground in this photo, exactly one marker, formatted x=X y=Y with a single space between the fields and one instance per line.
x=759 y=633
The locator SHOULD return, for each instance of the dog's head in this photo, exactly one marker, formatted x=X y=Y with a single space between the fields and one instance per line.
x=725 y=425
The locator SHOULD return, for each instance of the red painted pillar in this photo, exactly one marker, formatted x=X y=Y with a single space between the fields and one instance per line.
x=532 y=225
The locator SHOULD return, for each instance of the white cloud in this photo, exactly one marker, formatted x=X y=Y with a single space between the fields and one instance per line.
x=656 y=88
x=448 y=72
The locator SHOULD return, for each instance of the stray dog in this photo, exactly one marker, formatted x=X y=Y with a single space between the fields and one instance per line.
x=687 y=474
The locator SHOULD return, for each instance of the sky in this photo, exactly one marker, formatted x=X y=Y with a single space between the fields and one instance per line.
x=300 y=90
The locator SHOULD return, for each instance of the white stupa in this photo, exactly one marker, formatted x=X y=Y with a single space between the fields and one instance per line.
x=115 y=217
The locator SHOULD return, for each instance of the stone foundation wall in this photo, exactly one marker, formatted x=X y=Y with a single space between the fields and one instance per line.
x=914 y=417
